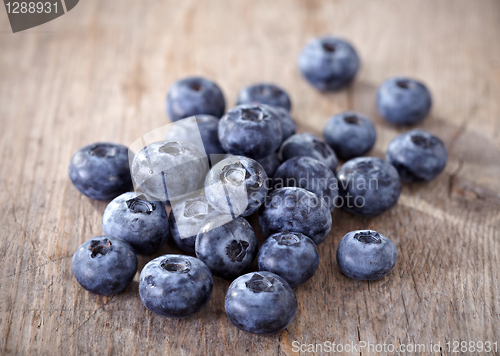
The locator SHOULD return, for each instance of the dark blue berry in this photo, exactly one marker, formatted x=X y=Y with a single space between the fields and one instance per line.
x=260 y=303
x=104 y=265
x=295 y=210
x=403 y=101
x=134 y=219
x=288 y=126
x=310 y=174
x=251 y=130
x=186 y=130
x=307 y=144
x=187 y=218
x=291 y=255
x=417 y=155
x=175 y=286
x=328 y=63
x=228 y=246
x=366 y=255
x=350 y=134
x=264 y=93
x=169 y=169
x=194 y=96
x=236 y=185
x=101 y=170
x=368 y=186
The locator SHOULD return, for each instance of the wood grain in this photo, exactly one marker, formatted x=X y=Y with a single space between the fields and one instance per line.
x=101 y=73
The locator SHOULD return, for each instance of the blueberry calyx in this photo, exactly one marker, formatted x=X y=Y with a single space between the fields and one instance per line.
x=258 y=284
x=252 y=114
x=100 y=248
x=236 y=250
x=172 y=148
x=234 y=174
x=422 y=141
x=368 y=237
x=175 y=265
x=287 y=239
x=404 y=84
x=196 y=208
x=196 y=86
x=328 y=47
x=365 y=167
x=103 y=151
x=137 y=205
x=352 y=120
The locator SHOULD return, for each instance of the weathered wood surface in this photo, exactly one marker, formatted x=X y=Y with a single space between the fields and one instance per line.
x=101 y=72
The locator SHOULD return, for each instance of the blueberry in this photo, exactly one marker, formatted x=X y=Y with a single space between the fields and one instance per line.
x=288 y=126
x=368 y=186
x=187 y=218
x=104 y=265
x=307 y=144
x=175 y=286
x=228 y=246
x=310 y=174
x=251 y=130
x=236 y=185
x=417 y=155
x=101 y=170
x=350 y=134
x=194 y=96
x=134 y=219
x=403 y=101
x=328 y=63
x=366 y=255
x=264 y=93
x=207 y=126
x=291 y=255
x=169 y=169
x=270 y=164
x=260 y=303
x=295 y=210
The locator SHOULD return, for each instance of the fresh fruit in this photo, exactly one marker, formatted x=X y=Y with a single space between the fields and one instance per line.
x=236 y=185
x=194 y=96
x=206 y=125
x=260 y=303
x=403 y=101
x=291 y=255
x=350 y=134
x=251 y=130
x=288 y=126
x=228 y=246
x=270 y=164
x=295 y=210
x=417 y=155
x=310 y=174
x=265 y=93
x=134 y=219
x=101 y=170
x=307 y=144
x=366 y=255
x=175 y=286
x=368 y=186
x=187 y=218
x=169 y=169
x=104 y=265
x=328 y=63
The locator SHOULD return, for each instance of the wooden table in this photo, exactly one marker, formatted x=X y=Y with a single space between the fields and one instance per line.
x=101 y=73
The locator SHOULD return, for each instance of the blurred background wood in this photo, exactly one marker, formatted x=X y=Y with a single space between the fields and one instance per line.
x=101 y=73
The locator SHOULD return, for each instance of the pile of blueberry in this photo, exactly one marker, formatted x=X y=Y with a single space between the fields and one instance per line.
x=289 y=179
